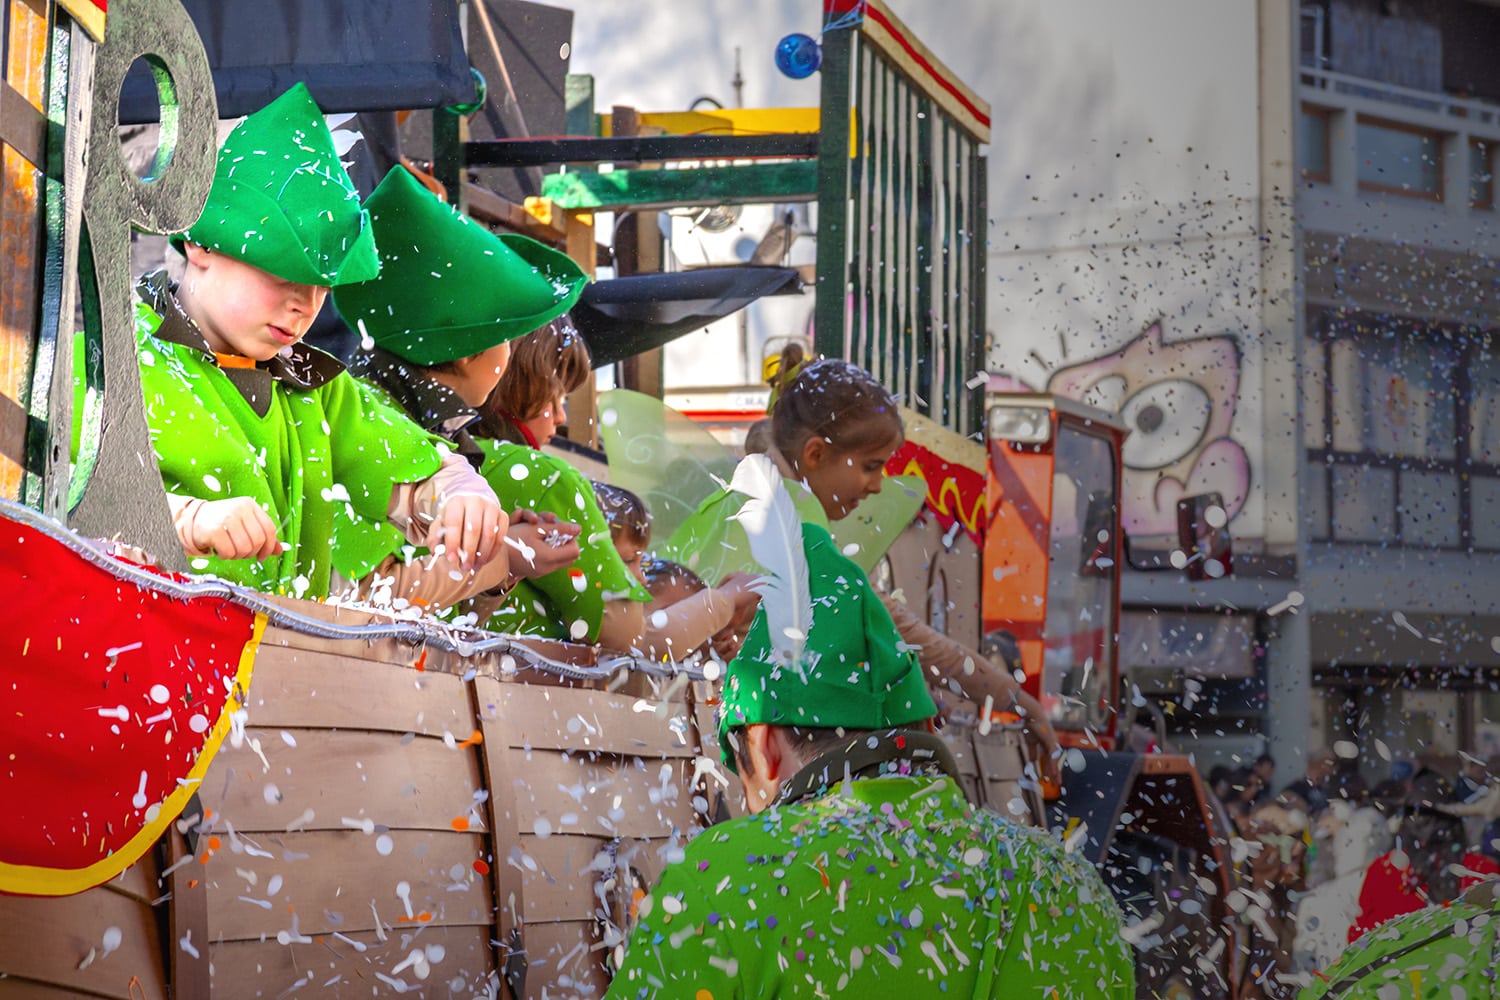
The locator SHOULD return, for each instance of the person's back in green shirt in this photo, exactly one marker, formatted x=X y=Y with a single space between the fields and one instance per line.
x=881 y=887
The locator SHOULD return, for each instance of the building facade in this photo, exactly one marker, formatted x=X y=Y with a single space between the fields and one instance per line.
x=1398 y=120
x=1281 y=272
x=1265 y=234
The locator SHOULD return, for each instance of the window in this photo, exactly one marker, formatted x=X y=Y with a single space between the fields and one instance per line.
x=1402 y=426
x=1396 y=158
x=1314 y=127
x=1481 y=174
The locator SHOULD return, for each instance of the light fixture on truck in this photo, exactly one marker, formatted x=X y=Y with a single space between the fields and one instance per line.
x=1021 y=424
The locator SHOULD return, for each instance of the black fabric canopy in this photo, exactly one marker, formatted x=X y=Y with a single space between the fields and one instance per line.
x=625 y=316
x=354 y=55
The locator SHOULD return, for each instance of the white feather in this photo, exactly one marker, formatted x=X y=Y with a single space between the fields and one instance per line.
x=774 y=527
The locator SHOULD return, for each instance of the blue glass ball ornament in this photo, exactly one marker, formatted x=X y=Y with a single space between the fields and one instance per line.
x=798 y=56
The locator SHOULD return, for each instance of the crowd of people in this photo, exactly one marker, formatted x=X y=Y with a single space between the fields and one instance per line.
x=1331 y=858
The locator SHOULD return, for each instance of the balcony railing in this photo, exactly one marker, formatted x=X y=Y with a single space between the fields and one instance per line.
x=1327 y=82
x=1361 y=135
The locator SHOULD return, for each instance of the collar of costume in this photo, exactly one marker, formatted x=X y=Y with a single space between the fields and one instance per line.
x=433 y=405
x=504 y=427
x=895 y=752
x=298 y=367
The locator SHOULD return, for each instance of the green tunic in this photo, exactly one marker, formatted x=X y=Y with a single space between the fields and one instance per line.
x=308 y=443
x=567 y=603
x=882 y=887
x=854 y=671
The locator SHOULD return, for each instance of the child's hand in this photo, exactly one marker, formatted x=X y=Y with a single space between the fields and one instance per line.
x=541 y=543
x=236 y=528
x=740 y=586
x=469 y=526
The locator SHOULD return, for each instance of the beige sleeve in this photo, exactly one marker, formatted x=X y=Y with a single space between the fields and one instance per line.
x=414 y=506
x=434 y=583
x=675 y=630
x=622 y=624
x=948 y=659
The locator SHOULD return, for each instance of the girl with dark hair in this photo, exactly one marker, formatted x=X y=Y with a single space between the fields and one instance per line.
x=530 y=402
x=833 y=430
x=673 y=629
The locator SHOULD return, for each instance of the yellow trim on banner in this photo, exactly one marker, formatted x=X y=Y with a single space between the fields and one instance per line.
x=36 y=880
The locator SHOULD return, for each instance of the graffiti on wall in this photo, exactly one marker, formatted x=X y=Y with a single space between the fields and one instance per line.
x=1178 y=400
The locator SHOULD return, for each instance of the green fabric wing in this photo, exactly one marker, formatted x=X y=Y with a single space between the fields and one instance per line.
x=663 y=457
x=868 y=531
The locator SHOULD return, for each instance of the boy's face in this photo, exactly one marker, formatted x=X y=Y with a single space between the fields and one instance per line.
x=243 y=310
x=476 y=376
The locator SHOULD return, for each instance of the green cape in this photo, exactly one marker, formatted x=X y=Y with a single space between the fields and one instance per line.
x=884 y=887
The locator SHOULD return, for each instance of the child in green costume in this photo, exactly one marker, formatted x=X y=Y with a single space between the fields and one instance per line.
x=832 y=431
x=280 y=469
x=862 y=870
x=597 y=599
x=439 y=320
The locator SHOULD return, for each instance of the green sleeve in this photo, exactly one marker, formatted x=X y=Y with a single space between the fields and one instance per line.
x=373 y=447
x=687 y=953
x=568 y=603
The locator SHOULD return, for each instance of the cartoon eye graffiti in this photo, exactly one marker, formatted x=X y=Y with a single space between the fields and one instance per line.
x=1167 y=420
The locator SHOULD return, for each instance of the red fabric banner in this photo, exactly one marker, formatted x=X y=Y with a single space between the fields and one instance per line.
x=954 y=492
x=115 y=698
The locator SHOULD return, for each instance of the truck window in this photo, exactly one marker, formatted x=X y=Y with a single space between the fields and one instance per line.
x=1076 y=664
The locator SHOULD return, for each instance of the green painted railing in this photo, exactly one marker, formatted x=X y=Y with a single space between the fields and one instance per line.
x=901 y=215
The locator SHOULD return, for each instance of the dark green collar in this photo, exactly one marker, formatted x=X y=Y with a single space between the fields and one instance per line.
x=299 y=366
x=431 y=404
x=895 y=752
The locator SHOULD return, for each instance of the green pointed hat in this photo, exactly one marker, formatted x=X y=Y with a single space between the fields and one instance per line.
x=282 y=201
x=449 y=287
x=855 y=673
